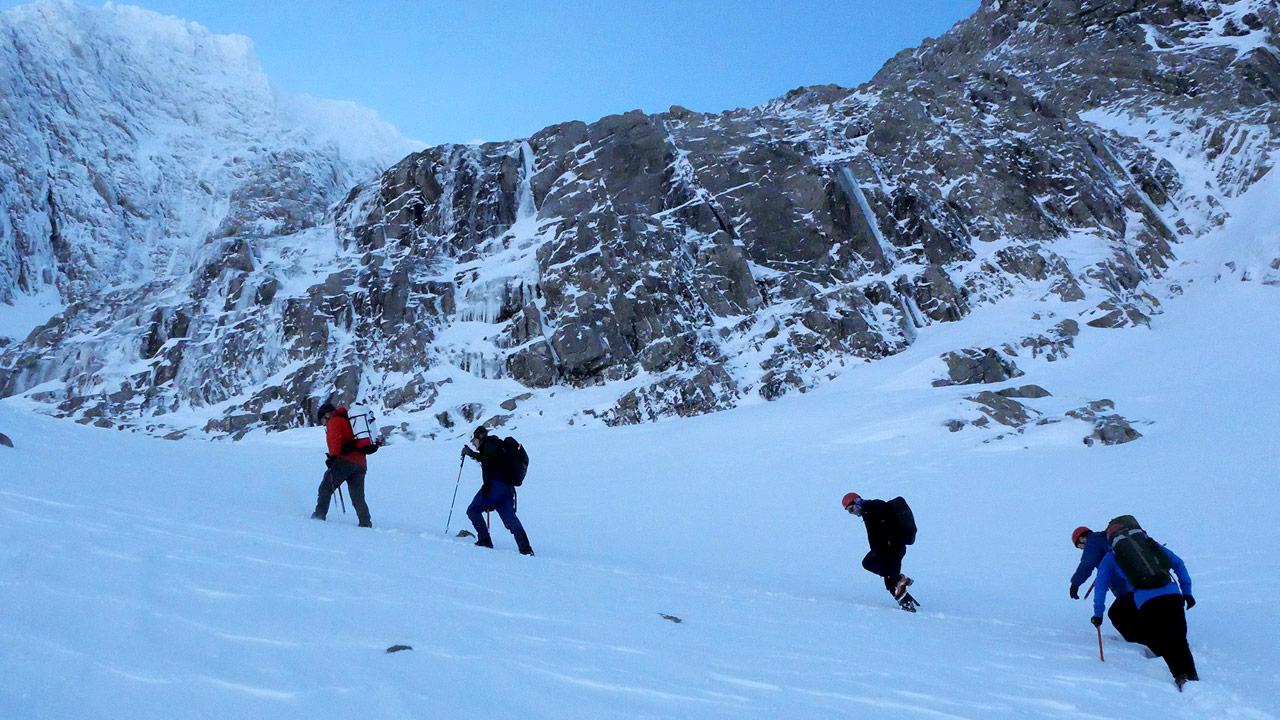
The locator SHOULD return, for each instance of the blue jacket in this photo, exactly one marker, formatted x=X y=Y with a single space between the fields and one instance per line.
x=1109 y=570
x=1095 y=547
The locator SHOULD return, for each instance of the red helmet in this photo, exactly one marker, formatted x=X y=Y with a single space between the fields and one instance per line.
x=849 y=499
x=1079 y=533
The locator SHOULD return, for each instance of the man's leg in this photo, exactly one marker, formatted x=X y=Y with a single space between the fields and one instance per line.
x=324 y=496
x=1165 y=621
x=506 y=507
x=475 y=511
x=886 y=562
x=1125 y=619
x=355 y=486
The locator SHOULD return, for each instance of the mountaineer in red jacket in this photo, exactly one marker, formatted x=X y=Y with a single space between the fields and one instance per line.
x=346 y=462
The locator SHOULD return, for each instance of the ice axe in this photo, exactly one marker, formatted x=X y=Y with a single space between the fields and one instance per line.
x=1100 y=656
x=1086 y=592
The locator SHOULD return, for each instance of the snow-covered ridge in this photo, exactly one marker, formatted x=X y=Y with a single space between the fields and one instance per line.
x=1063 y=157
x=129 y=137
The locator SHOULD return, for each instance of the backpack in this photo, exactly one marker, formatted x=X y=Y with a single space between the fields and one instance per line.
x=906 y=520
x=516 y=460
x=1142 y=559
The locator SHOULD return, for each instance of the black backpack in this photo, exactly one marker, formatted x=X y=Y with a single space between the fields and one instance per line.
x=1142 y=559
x=516 y=460
x=906 y=520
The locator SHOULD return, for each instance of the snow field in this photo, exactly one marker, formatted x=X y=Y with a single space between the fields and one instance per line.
x=145 y=576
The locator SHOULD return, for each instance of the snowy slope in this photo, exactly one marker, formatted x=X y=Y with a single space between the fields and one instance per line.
x=145 y=576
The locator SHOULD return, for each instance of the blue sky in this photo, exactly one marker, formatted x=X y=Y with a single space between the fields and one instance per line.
x=445 y=71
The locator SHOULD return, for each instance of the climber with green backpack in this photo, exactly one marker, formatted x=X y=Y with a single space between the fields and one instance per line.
x=891 y=527
x=1161 y=602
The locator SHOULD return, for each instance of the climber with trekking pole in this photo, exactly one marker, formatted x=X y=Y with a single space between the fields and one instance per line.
x=503 y=464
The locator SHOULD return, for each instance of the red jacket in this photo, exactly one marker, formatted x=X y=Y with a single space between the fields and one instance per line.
x=338 y=433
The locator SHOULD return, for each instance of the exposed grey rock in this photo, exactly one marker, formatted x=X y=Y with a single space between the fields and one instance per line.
x=955 y=425
x=511 y=403
x=973 y=366
x=1116 y=315
x=1026 y=391
x=1003 y=410
x=5 y=441
x=1090 y=410
x=1112 y=430
x=470 y=412
x=1054 y=343
x=710 y=389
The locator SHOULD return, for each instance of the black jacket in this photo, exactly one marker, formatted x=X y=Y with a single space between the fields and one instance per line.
x=883 y=529
x=492 y=462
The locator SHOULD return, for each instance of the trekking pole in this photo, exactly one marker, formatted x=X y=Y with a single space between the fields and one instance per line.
x=455 y=495
x=342 y=502
x=1086 y=592
x=1100 y=656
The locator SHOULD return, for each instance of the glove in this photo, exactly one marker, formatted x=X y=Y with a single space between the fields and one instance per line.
x=1191 y=602
x=1075 y=592
x=464 y=451
x=328 y=461
x=1097 y=621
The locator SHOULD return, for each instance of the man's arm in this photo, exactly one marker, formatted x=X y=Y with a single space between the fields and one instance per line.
x=1180 y=569
x=1102 y=584
x=334 y=435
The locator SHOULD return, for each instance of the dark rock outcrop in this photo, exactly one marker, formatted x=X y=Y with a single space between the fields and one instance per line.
x=681 y=261
x=975 y=366
x=1112 y=430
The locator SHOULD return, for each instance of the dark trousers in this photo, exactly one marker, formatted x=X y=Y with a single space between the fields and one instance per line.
x=500 y=497
x=885 y=561
x=351 y=474
x=1164 y=622
x=1125 y=619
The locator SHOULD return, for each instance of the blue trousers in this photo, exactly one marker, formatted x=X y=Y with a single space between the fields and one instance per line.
x=501 y=497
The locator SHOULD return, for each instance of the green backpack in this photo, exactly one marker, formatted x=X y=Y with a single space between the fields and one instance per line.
x=1142 y=559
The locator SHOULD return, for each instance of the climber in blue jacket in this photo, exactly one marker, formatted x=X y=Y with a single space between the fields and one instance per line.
x=1093 y=547
x=1161 y=614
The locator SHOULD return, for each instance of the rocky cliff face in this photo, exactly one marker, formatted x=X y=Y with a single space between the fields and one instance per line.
x=682 y=263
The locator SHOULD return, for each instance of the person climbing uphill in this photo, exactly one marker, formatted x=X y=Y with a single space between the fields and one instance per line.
x=497 y=491
x=1161 y=602
x=890 y=529
x=346 y=463
x=1093 y=548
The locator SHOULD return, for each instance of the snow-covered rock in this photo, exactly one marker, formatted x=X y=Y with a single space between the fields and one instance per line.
x=668 y=264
